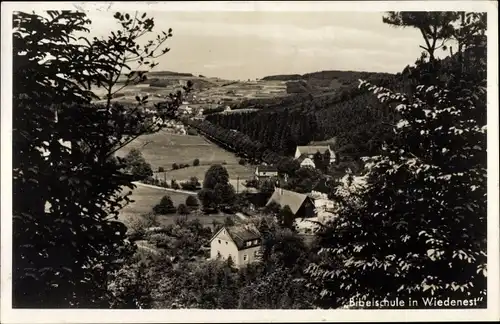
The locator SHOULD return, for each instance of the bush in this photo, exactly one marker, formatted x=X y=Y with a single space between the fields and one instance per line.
x=242 y=162
x=191 y=201
x=253 y=183
x=192 y=131
x=160 y=240
x=196 y=162
x=175 y=166
x=166 y=206
x=188 y=186
x=161 y=169
x=174 y=185
x=182 y=209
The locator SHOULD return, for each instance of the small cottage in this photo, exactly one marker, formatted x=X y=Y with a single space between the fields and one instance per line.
x=242 y=243
x=265 y=172
x=301 y=205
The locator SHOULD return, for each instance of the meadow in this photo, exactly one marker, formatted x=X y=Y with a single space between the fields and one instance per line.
x=163 y=149
x=145 y=198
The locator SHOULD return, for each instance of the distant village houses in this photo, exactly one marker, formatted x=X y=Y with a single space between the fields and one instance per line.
x=241 y=243
x=309 y=151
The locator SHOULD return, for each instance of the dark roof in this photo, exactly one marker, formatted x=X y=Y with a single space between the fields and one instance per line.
x=283 y=197
x=241 y=234
x=267 y=168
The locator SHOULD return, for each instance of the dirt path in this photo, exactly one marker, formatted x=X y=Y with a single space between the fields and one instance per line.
x=165 y=189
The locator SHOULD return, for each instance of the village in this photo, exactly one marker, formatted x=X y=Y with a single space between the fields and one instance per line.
x=243 y=242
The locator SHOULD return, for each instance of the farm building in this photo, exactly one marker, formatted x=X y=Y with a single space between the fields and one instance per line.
x=310 y=150
x=241 y=243
x=265 y=172
x=301 y=205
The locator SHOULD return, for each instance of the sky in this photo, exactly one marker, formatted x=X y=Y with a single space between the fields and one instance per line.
x=244 y=45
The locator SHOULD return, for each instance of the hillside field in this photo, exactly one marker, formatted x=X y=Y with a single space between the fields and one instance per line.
x=162 y=149
x=145 y=198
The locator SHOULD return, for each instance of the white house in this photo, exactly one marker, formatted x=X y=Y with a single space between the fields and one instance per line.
x=242 y=243
x=265 y=172
x=306 y=162
x=310 y=150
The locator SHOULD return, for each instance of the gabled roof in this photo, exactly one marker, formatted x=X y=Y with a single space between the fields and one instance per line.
x=312 y=149
x=239 y=234
x=286 y=197
x=303 y=157
x=266 y=168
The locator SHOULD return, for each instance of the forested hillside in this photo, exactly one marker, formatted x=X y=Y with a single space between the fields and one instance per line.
x=352 y=116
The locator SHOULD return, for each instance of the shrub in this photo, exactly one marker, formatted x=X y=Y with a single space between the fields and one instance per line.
x=188 y=186
x=161 y=169
x=192 y=131
x=196 y=162
x=253 y=183
x=174 y=185
x=242 y=162
x=166 y=206
x=175 y=166
x=182 y=209
x=191 y=201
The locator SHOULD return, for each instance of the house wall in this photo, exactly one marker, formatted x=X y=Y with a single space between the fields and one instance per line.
x=332 y=156
x=225 y=247
x=297 y=153
x=323 y=204
x=251 y=256
x=306 y=210
x=307 y=163
x=265 y=174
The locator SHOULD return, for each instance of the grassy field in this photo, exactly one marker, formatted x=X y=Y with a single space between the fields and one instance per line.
x=145 y=198
x=162 y=149
x=234 y=170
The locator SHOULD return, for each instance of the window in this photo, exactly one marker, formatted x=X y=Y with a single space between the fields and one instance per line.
x=218 y=254
x=249 y=243
x=255 y=253
x=226 y=242
x=219 y=241
x=256 y=242
x=244 y=257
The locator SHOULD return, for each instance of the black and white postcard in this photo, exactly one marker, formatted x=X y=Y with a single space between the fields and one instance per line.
x=235 y=161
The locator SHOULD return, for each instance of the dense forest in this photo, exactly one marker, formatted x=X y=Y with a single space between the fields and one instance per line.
x=356 y=120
